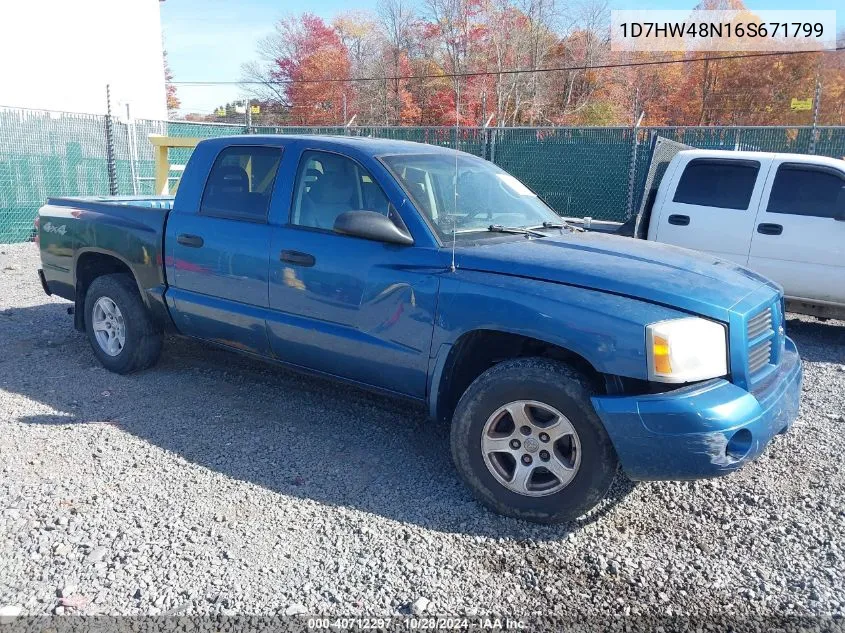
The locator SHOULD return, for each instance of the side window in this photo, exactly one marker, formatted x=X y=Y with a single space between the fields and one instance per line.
x=240 y=183
x=328 y=185
x=805 y=190
x=722 y=183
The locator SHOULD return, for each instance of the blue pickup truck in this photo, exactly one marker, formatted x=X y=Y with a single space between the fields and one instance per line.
x=555 y=355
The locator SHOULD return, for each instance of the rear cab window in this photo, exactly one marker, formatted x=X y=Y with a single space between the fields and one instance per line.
x=240 y=183
x=720 y=183
x=808 y=190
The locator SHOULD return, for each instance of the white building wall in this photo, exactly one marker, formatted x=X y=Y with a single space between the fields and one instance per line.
x=60 y=54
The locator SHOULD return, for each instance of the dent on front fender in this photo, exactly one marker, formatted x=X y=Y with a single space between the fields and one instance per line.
x=607 y=330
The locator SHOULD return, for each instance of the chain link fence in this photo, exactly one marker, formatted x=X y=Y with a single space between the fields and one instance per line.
x=595 y=172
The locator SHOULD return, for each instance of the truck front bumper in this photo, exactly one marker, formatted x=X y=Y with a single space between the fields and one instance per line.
x=703 y=430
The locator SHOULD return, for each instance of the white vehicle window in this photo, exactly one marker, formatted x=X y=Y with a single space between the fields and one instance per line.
x=806 y=190
x=721 y=183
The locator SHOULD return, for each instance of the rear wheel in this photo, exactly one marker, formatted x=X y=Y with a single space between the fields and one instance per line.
x=526 y=440
x=120 y=330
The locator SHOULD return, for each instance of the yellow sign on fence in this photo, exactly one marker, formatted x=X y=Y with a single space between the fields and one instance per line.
x=801 y=104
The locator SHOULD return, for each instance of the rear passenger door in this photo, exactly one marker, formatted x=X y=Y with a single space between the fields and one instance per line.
x=217 y=254
x=711 y=206
x=797 y=240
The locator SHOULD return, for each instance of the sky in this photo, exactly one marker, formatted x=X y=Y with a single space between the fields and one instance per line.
x=209 y=40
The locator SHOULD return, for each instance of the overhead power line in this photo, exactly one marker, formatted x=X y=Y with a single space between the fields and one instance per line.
x=506 y=71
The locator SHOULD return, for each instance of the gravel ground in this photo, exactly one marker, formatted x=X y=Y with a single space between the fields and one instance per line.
x=213 y=484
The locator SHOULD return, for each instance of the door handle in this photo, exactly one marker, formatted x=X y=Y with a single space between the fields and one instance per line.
x=295 y=257
x=194 y=241
x=679 y=220
x=769 y=229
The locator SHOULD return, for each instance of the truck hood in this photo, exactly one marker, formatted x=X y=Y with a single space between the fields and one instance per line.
x=654 y=272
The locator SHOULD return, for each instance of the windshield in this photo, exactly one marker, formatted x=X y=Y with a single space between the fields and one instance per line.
x=480 y=196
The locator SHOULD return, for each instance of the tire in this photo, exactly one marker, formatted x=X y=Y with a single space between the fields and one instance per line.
x=141 y=339
x=584 y=453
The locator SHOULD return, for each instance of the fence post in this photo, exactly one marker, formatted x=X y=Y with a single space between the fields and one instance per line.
x=486 y=149
x=347 y=131
x=814 y=131
x=632 y=174
x=132 y=150
x=112 y=171
x=632 y=168
x=491 y=139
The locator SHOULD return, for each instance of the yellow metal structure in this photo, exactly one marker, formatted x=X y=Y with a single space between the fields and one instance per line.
x=162 y=164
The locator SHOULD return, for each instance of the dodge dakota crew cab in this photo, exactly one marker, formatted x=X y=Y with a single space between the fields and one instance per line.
x=556 y=355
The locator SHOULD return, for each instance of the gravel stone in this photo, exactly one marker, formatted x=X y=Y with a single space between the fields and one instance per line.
x=420 y=605
x=62 y=549
x=97 y=554
x=296 y=609
x=214 y=484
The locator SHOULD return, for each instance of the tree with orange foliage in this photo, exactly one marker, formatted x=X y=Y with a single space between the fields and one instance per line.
x=306 y=68
x=832 y=76
x=312 y=72
x=173 y=102
x=432 y=40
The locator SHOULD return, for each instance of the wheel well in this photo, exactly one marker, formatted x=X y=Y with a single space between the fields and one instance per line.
x=475 y=352
x=89 y=266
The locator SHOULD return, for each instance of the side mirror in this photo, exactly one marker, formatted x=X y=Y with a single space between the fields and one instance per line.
x=371 y=226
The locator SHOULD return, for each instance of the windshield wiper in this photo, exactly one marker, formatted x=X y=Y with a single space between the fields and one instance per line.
x=498 y=228
x=562 y=225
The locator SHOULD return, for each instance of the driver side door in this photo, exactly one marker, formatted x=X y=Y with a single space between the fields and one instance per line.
x=346 y=306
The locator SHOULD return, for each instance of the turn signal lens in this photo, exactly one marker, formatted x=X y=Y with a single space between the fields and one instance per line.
x=660 y=350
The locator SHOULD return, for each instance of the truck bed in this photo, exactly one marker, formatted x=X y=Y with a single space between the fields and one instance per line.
x=80 y=235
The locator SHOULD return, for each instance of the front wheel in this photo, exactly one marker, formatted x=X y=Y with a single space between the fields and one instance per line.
x=120 y=330
x=527 y=442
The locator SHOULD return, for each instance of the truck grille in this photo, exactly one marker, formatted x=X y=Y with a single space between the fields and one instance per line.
x=760 y=335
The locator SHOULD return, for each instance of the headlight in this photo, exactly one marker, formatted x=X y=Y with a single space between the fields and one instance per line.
x=686 y=350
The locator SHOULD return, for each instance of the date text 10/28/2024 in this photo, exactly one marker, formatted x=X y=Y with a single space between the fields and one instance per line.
x=418 y=623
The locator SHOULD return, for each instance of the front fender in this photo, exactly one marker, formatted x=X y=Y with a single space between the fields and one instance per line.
x=607 y=330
